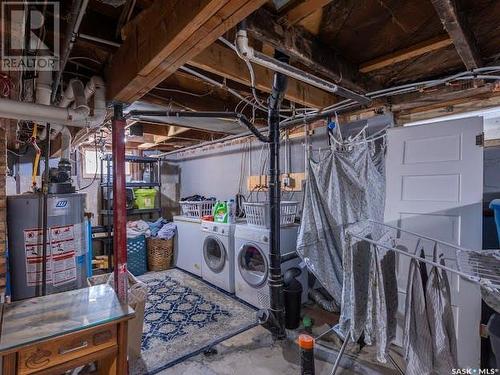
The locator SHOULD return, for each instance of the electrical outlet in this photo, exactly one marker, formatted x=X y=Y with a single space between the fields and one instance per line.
x=286 y=181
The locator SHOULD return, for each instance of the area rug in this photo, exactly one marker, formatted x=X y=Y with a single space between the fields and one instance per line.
x=183 y=315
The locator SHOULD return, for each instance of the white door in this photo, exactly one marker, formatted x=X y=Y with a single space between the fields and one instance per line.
x=434 y=187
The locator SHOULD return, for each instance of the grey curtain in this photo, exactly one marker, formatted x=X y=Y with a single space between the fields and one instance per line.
x=342 y=188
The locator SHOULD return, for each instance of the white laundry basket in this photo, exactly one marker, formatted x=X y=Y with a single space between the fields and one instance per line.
x=196 y=209
x=257 y=213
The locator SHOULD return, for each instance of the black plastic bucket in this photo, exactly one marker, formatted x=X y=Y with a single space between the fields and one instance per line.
x=293 y=298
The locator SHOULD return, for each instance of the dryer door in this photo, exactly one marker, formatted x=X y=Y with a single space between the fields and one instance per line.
x=214 y=254
x=253 y=265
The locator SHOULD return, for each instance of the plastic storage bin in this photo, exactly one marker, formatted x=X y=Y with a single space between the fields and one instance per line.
x=257 y=214
x=136 y=255
x=137 y=296
x=145 y=198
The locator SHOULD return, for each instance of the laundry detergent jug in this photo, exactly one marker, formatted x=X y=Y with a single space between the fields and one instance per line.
x=220 y=212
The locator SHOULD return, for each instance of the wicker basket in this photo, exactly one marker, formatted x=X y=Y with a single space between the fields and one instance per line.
x=160 y=253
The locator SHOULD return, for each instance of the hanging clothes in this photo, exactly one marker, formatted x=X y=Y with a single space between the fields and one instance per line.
x=440 y=317
x=342 y=188
x=490 y=293
x=417 y=343
x=382 y=304
x=370 y=304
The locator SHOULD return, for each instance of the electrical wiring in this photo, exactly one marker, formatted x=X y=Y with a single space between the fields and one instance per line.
x=6 y=85
x=96 y=163
x=184 y=92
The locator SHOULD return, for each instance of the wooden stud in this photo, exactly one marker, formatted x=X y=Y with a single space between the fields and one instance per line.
x=456 y=26
x=167 y=35
x=222 y=61
x=306 y=49
x=303 y=10
x=434 y=44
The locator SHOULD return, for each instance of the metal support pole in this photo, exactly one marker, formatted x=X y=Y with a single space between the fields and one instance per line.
x=119 y=204
x=45 y=199
x=275 y=275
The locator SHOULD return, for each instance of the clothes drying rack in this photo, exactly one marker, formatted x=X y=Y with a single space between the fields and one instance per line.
x=480 y=267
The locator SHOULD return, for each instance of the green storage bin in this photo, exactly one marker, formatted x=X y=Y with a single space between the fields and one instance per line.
x=145 y=198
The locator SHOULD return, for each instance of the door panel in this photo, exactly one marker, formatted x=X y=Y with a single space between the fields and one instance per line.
x=434 y=187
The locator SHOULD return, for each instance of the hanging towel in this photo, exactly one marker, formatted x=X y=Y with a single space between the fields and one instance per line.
x=372 y=299
x=490 y=295
x=342 y=188
x=440 y=318
x=382 y=305
x=417 y=343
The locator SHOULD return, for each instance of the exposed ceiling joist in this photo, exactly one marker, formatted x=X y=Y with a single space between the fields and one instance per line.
x=305 y=49
x=456 y=25
x=224 y=62
x=304 y=9
x=167 y=35
x=437 y=43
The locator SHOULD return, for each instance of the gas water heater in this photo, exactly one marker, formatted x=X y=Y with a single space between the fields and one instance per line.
x=66 y=252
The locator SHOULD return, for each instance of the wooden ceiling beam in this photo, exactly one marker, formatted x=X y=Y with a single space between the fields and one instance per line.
x=305 y=49
x=166 y=36
x=224 y=62
x=434 y=44
x=455 y=24
x=303 y=10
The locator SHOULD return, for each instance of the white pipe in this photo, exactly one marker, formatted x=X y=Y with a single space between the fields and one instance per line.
x=65 y=143
x=43 y=93
x=247 y=53
x=44 y=87
x=75 y=93
x=77 y=117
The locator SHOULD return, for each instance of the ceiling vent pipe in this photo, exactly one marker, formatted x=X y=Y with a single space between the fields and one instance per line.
x=42 y=113
x=249 y=54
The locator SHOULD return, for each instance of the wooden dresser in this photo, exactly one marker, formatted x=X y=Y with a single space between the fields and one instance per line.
x=59 y=332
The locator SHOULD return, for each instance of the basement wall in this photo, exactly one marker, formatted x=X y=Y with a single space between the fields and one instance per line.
x=217 y=171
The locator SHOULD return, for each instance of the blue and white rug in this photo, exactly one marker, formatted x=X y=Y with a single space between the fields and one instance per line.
x=183 y=315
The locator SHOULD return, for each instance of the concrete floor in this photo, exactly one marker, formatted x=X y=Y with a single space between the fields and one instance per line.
x=250 y=353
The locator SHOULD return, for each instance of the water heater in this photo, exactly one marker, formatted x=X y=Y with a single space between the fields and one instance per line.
x=66 y=243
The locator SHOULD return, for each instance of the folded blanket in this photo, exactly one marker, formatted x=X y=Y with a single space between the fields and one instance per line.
x=137 y=228
x=167 y=231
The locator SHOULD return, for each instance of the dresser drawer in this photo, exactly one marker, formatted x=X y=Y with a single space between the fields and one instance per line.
x=51 y=353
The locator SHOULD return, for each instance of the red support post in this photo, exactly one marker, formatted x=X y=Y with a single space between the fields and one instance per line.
x=119 y=204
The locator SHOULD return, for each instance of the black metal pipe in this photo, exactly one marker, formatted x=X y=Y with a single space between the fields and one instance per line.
x=45 y=199
x=231 y=115
x=277 y=309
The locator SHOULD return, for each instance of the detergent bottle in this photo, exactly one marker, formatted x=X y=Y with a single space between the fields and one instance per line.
x=220 y=212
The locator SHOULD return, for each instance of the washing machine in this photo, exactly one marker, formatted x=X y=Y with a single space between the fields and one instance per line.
x=187 y=244
x=217 y=266
x=251 y=271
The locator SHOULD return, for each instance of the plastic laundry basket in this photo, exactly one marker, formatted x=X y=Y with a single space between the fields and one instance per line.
x=137 y=255
x=145 y=198
x=257 y=213
x=495 y=206
x=137 y=296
